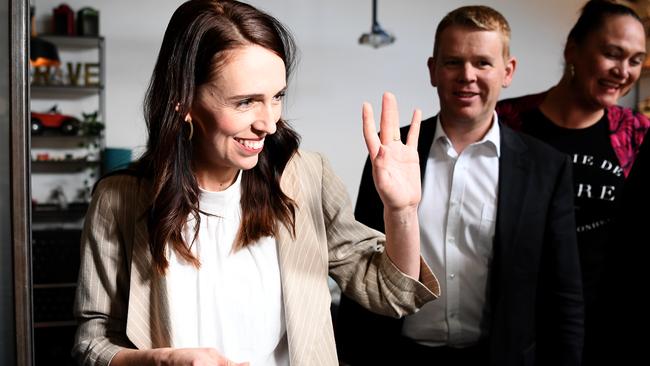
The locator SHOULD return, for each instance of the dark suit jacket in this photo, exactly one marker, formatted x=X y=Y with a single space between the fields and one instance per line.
x=535 y=291
x=621 y=305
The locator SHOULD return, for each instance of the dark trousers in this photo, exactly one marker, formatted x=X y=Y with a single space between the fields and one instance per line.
x=412 y=353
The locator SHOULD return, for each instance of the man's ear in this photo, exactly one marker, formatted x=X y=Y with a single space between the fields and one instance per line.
x=431 y=64
x=511 y=65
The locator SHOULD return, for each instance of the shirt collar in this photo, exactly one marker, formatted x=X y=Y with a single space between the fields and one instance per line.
x=492 y=138
x=223 y=203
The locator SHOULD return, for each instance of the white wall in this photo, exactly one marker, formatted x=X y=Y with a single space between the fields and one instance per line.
x=335 y=74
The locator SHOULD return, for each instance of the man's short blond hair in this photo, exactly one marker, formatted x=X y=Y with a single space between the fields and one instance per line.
x=477 y=17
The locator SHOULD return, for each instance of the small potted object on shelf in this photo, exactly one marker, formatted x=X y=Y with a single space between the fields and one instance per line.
x=90 y=125
x=58 y=197
x=54 y=120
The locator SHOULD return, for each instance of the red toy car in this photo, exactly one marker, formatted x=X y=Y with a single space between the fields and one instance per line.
x=68 y=125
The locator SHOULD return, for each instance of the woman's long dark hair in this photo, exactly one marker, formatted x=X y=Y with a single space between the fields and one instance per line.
x=195 y=44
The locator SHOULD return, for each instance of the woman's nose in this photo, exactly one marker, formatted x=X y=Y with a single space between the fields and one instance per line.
x=267 y=118
x=622 y=69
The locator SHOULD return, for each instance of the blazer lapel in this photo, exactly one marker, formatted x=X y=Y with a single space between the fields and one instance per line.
x=513 y=180
x=148 y=315
x=300 y=269
x=427 y=131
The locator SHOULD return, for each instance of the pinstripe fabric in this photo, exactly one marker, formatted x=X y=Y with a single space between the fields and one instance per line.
x=121 y=301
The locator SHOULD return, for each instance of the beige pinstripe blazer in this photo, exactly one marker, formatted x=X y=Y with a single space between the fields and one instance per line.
x=121 y=301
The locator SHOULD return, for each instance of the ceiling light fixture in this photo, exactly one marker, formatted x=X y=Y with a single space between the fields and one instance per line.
x=378 y=36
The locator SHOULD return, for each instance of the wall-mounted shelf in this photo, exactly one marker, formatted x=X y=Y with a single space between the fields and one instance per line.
x=63 y=323
x=64 y=90
x=48 y=138
x=54 y=212
x=55 y=285
x=63 y=166
x=73 y=41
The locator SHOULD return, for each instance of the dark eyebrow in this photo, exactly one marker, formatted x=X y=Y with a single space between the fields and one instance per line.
x=253 y=96
x=245 y=96
x=620 y=49
x=613 y=47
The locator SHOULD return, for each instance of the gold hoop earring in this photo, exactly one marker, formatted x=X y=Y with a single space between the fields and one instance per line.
x=188 y=119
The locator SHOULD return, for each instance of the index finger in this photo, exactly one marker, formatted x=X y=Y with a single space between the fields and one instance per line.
x=414 y=130
x=369 y=130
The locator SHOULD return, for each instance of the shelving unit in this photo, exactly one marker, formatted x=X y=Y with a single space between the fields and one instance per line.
x=64 y=169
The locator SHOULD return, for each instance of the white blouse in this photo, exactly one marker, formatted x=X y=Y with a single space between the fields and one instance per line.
x=233 y=302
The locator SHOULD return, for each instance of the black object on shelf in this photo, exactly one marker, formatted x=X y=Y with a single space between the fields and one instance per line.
x=88 y=22
x=43 y=52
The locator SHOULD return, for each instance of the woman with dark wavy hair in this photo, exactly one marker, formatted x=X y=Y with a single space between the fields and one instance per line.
x=604 y=55
x=215 y=247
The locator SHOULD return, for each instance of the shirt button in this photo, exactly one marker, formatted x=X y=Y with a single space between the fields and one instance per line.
x=452 y=276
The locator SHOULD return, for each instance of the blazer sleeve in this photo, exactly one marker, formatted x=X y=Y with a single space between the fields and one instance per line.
x=562 y=325
x=103 y=285
x=369 y=209
x=358 y=262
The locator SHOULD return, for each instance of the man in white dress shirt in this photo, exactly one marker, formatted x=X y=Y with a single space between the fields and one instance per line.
x=496 y=223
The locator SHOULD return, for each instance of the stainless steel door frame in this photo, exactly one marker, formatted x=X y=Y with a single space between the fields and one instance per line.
x=20 y=179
